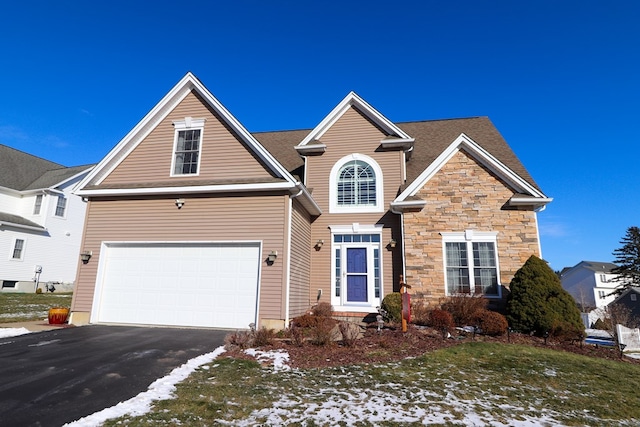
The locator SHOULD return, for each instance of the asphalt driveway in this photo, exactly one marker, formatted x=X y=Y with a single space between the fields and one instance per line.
x=54 y=377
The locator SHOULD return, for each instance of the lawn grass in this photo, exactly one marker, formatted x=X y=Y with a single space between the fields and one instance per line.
x=19 y=307
x=469 y=384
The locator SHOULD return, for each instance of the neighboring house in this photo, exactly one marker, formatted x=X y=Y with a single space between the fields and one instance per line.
x=591 y=283
x=194 y=221
x=630 y=299
x=41 y=221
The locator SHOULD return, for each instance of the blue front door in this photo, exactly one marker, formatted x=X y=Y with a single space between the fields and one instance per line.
x=357 y=274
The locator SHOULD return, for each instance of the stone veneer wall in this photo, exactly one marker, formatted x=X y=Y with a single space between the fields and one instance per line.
x=464 y=195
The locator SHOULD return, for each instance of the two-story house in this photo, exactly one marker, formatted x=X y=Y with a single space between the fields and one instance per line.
x=193 y=220
x=591 y=283
x=41 y=221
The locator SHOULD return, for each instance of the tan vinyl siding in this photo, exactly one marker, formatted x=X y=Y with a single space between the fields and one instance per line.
x=353 y=133
x=223 y=156
x=301 y=247
x=465 y=195
x=248 y=218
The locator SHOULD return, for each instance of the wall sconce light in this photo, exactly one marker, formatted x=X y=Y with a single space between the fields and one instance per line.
x=392 y=243
x=271 y=258
x=179 y=203
x=319 y=244
x=85 y=256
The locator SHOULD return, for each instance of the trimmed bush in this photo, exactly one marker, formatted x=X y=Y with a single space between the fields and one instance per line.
x=442 y=321
x=463 y=308
x=263 y=337
x=491 y=323
x=322 y=309
x=392 y=304
x=537 y=300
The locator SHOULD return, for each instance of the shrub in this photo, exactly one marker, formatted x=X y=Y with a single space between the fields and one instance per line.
x=419 y=310
x=537 y=300
x=240 y=339
x=305 y=321
x=263 y=337
x=350 y=333
x=463 y=308
x=599 y=324
x=566 y=331
x=491 y=323
x=296 y=335
x=324 y=332
x=322 y=309
x=441 y=320
x=392 y=304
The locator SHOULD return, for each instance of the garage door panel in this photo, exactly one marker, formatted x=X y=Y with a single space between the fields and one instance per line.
x=207 y=285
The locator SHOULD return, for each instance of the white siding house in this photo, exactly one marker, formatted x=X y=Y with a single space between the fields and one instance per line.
x=591 y=283
x=41 y=221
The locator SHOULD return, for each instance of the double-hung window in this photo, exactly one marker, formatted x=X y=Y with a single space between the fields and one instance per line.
x=37 y=205
x=18 y=249
x=471 y=263
x=187 y=146
x=61 y=206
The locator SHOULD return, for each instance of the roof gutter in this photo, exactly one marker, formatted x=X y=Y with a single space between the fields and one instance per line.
x=25 y=227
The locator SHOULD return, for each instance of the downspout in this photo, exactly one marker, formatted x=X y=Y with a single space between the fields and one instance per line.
x=287 y=297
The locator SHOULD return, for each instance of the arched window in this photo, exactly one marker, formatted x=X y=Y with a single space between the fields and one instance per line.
x=356 y=184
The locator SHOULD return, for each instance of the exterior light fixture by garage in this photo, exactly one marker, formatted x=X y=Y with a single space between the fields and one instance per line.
x=392 y=243
x=85 y=256
x=271 y=258
x=179 y=203
x=319 y=244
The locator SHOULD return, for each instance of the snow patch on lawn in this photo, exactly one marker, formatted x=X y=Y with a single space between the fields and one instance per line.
x=161 y=389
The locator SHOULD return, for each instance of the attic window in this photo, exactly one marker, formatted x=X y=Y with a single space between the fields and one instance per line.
x=187 y=146
x=356 y=185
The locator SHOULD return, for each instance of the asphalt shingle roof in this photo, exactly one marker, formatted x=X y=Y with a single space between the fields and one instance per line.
x=431 y=139
x=21 y=171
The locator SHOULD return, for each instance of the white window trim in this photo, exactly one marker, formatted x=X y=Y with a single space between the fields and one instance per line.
x=188 y=123
x=35 y=203
x=13 y=248
x=66 y=207
x=340 y=303
x=470 y=237
x=333 y=186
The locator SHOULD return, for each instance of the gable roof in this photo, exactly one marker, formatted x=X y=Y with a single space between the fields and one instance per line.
x=21 y=171
x=432 y=139
x=90 y=185
x=395 y=135
x=594 y=266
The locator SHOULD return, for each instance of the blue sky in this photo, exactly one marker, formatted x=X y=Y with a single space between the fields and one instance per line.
x=559 y=79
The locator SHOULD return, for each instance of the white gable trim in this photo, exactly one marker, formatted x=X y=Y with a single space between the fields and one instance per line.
x=186 y=189
x=188 y=83
x=481 y=155
x=353 y=100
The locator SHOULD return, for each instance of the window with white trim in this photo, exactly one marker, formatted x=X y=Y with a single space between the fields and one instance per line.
x=61 y=206
x=602 y=294
x=37 y=205
x=187 y=146
x=471 y=263
x=356 y=185
x=18 y=249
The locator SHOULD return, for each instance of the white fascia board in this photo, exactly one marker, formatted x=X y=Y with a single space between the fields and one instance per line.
x=25 y=227
x=11 y=191
x=159 y=112
x=356 y=228
x=139 y=132
x=525 y=201
x=480 y=154
x=353 y=100
x=265 y=155
x=310 y=149
x=307 y=199
x=399 y=207
x=71 y=178
x=186 y=190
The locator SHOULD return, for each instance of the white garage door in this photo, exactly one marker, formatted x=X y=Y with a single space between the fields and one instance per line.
x=181 y=284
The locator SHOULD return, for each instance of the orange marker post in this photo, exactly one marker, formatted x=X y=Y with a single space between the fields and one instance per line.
x=406 y=303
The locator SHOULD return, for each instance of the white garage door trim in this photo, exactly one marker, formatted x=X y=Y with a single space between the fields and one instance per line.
x=199 y=284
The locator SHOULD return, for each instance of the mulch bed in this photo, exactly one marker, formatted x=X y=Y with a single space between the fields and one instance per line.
x=391 y=344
